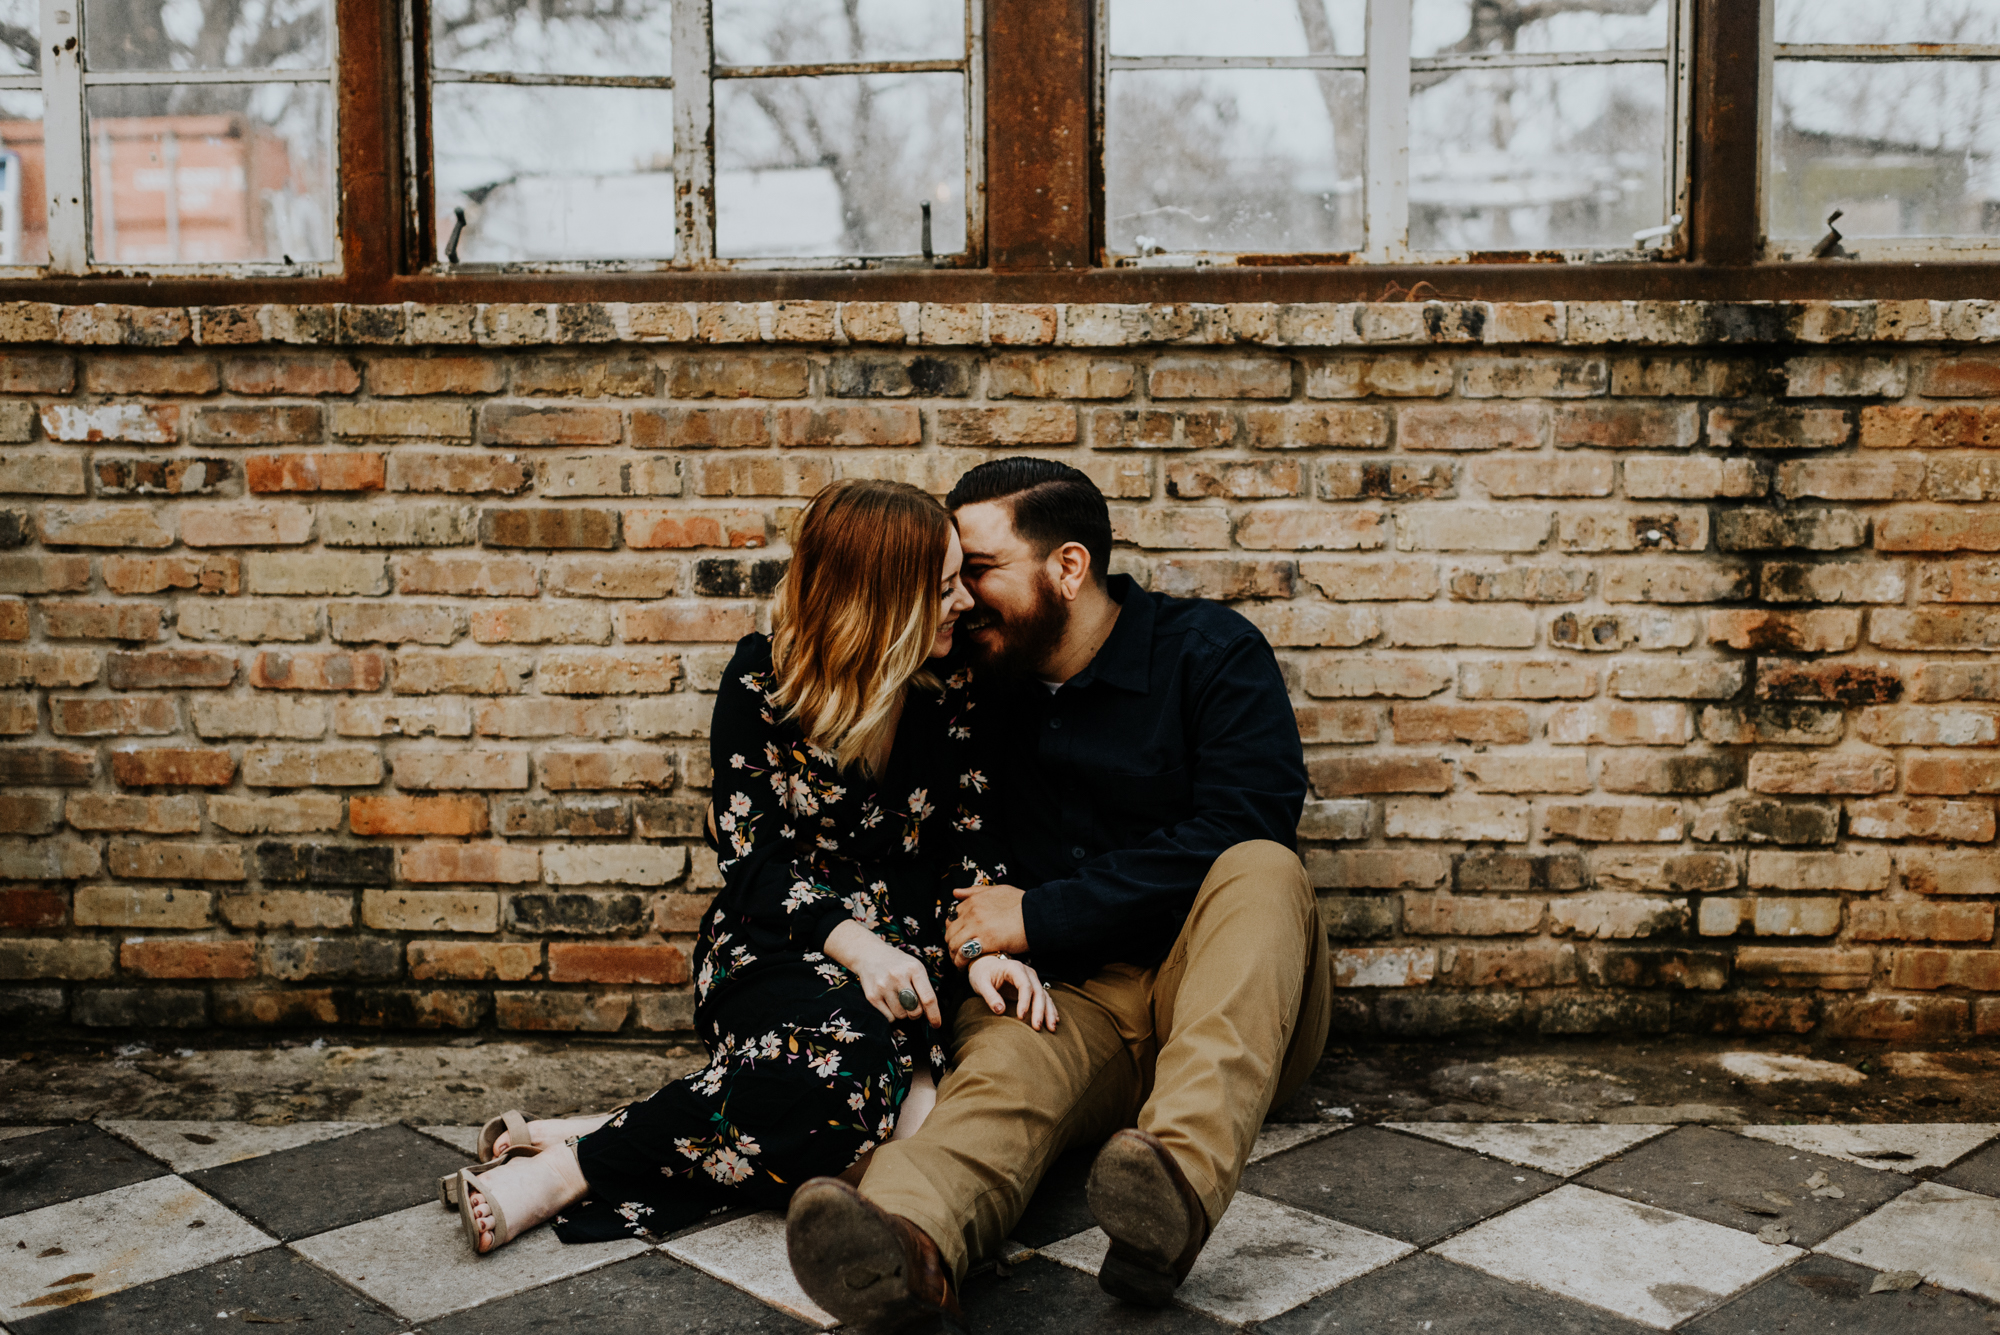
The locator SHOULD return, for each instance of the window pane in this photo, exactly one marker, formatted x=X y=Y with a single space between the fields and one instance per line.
x=803 y=32
x=1904 y=21
x=1530 y=159
x=1438 y=27
x=210 y=172
x=572 y=37
x=1242 y=28
x=20 y=37
x=555 y=173
x=839 y=165
x=204 y=34
x=24 y=194
x=1234 y=160
x=1906 y=149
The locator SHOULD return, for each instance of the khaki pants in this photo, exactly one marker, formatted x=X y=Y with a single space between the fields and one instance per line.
x=1195 y=1052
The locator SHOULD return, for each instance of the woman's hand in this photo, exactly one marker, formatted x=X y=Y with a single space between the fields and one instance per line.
x=885 y=973
x=1033 y=1002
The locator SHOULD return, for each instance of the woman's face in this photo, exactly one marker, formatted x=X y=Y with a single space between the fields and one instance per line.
x=952 y=596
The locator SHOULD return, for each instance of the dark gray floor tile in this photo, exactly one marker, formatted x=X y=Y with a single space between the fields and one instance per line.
x=1428 y=1295
x=66 y=1163
x=1830 y=1297
x=1042 y=1296
x=1416 y=1190
x=1058 y=1209
x=646 y=1295
x=276 y=1285
x=1978 y=1172
x=1723 y=1178
x=330 y=1184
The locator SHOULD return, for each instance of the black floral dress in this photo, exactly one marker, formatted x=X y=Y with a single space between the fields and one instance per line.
x=804 y=1075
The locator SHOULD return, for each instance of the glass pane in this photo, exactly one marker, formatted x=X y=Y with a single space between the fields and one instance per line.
x=810 y=32
x=20 y=37
x=567 y=37
x=1449 y=27
x=1906 y=149
x=24 y=195
x=1243 y=28
x=555 y=173
x=206 y=173
x=839 y=166
x=1531 y=159
x=1869 y=21
x=1234 y=160
x=204 y=34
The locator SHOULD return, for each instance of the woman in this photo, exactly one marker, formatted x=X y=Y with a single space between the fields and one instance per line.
x=847 y=806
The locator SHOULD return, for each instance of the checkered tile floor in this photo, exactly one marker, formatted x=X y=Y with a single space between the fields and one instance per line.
x=1425 y=1228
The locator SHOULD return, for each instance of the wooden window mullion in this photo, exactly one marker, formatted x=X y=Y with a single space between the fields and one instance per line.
x=1724 y=225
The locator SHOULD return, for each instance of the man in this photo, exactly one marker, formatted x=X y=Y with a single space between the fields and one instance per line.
x=1151 y=789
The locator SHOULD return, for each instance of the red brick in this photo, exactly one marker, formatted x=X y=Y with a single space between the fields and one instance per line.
x=666 y=623
x=168 y=957
x=149 y=375
x=684 y=528
x=202 y=767
x=335 y=670
x=397 y=377
x=159 y=574
x=469 y=863
x=1415 y=724
x=1926 y=970
x=1828 y=630
x=1129 y=428
x=1018 y=424
x=303 y=375
x=1220 y=378
x=1943 y=920
x=401 y=814
x=713 y=428
x=287 y=424
x=36 y=373
x=744 y=376
x=1960 y=378
x=26 y=907
x=1341 y=776
x=594 y=962
x=506 y=961
x=524 y=424
x=168 y=669
x=853 y=424
x=1483 y=426
x=314 y=472
x=116 y=716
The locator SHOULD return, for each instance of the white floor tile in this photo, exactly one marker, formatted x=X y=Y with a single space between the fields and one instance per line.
x=1277 y=1137
x=1562 y=1148
x=1651 y=1265
x=113 y=1240
x=750 y=1254
x=1899 y=1149
x=418 y=1263
x=464 y=1139
x=191 y=1146
x=1263 y=1258
x=1950 y=1237
x=9 y=1132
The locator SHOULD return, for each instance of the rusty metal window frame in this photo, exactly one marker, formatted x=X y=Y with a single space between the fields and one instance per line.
x=64 y=83
x=692 y=80
x=1388 y=66
x=1914 y=249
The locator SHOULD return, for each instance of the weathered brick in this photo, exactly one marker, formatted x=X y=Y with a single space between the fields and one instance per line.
x=47 y=766
x=403 y=421
x=1458 y=818
x=1485 y=426
x=1625 y=426
x=1503 y=773
x=1384 y=966
x=1696 y=477
x=680 y=528
x=745 y=376
x=1372 y=675
x=401 y=377
x=1783 y=724
x=163 y=765
x=324 y=864
x=1624 y=531
x=1783 y=428
x=1479 y=627
x=314 y=910
x=158 y=574
x=1611 y=916
x=1856 y=870
x=1941 y=921
x=316 y=574
x=257 y=716
x=1607 y=724
x=354 y=471
x=1827 y=630
x=1220 y=378
x=1340 y=725
x=1414 y=724
x=1393 y=377
x=422 y=673
x=311 y=766
x=1763 y=821
x=505 y=961
x=431 y=910
x=1840 y=582
x=281 y=424
x=330 y=670
x=1960 y=426
x=248 y=621
x=459 y=769
x=1929 y=871
x=1511 y=966
x=1613 y=822
x=295 y=813
x=1685 y=773
x=119 y=716
x=1675 y=679
x=1913 y=818
x=1681 y=873
x=141 y=906
x=302 y=375
x=607 y=673
x=561 y=1012
x=563 y=817
x=179 y=957
x=1340 y=776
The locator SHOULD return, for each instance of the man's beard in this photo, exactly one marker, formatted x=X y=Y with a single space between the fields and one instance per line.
x=1027 y=639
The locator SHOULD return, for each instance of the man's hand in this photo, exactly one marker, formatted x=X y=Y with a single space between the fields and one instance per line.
x=990 y=915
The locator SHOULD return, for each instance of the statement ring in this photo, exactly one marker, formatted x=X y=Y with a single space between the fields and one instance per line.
x=907 y=999
x=971 y=950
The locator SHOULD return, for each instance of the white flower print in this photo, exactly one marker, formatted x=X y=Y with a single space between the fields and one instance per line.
x=833 y=973
x=739 y=803
x=772 y=1047
x=856 y=1099
x=919 y=804
x=886 y=1127
x=826 y=1063
x=687 y=1147
x=842 y=1031
x=748 y=1145
x=727 y=1166
x=862 y=908
x=974 y=779
x=632 y=1211
x=738 y=762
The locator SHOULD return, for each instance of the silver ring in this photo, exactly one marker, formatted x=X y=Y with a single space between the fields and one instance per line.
x=908 y=999
x=1047 y=988
x=971 y=950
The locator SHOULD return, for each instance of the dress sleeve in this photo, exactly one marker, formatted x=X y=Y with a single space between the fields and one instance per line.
x=770 y=882
x=977 y=855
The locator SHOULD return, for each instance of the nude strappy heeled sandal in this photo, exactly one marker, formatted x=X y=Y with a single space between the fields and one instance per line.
x=466 y=1181
x=514 y=1123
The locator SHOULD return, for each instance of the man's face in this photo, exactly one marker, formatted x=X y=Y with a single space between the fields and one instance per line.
x=1020 y=617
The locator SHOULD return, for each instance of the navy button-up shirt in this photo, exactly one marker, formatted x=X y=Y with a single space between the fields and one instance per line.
x=1118 y=791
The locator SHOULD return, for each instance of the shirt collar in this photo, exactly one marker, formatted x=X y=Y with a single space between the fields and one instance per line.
x=1125 y=659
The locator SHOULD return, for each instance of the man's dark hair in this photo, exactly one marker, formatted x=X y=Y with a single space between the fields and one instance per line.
x=1050 y=504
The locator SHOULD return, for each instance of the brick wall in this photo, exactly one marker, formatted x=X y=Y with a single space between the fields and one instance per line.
x=353 y=661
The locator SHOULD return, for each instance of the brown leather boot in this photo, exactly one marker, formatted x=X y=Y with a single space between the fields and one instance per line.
x=876 y=1271
x=1150 y=1213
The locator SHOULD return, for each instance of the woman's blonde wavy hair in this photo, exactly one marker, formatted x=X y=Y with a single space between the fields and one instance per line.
x=855 y=614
